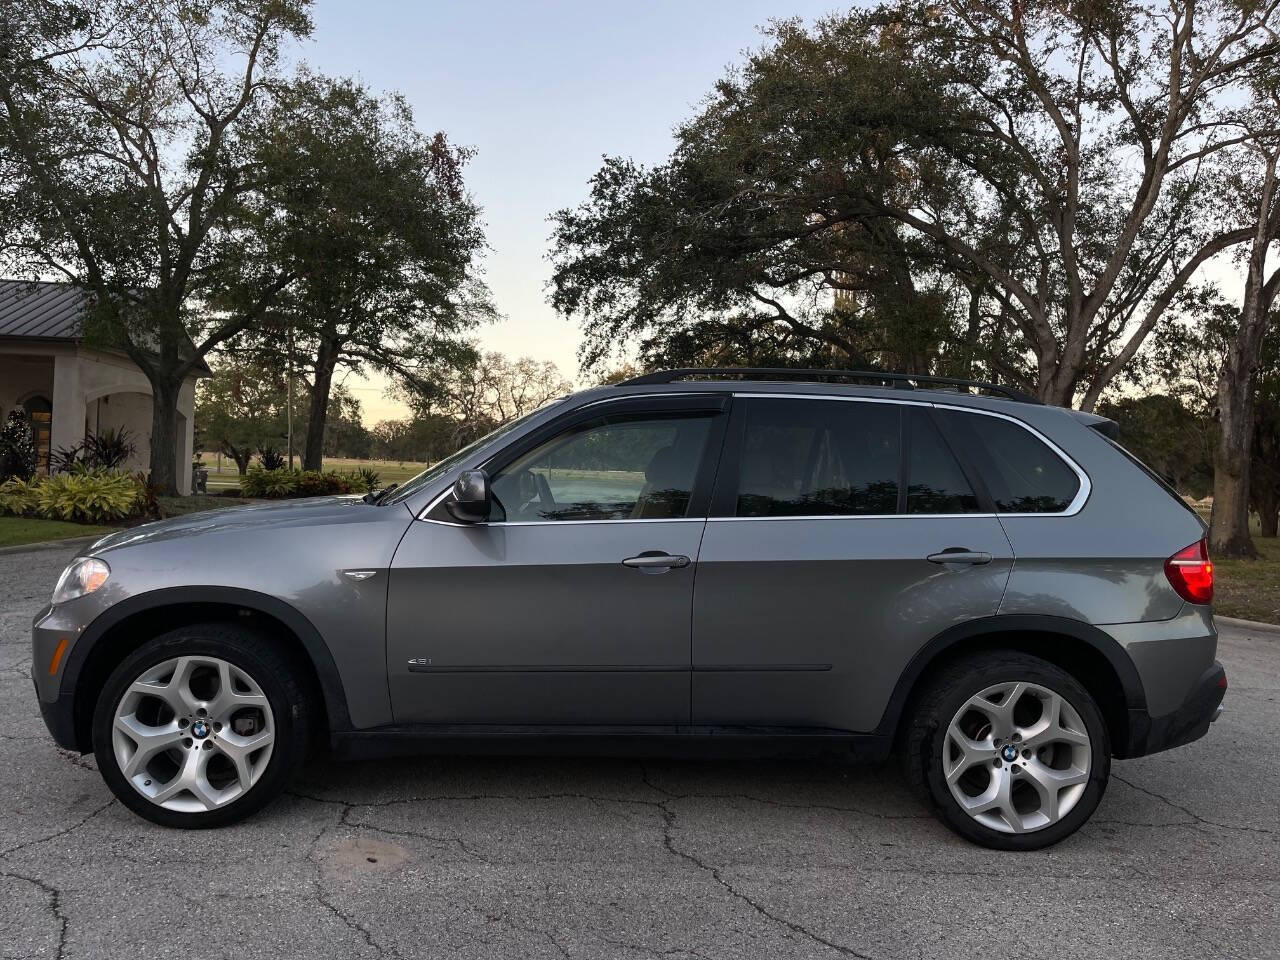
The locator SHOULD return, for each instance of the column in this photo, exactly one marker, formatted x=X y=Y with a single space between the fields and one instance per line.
x=68 y=402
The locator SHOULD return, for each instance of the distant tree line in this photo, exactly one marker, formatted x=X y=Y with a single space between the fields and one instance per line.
x=242 y=409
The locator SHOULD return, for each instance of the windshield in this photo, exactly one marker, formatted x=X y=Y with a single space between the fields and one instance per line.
x=434 y=472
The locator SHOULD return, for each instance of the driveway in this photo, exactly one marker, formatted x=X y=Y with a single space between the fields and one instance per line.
x=575 y=858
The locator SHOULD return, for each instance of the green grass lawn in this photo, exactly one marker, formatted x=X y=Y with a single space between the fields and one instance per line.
x=1250 y=589
x=21 y=530
x=389 y=471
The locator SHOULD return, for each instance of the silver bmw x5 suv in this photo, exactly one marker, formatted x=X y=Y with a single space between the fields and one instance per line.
x=848 y=564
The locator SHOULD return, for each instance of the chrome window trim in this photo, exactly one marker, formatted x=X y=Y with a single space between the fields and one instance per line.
x=1074 y=507
x=864 y=516
x=439 y=498
x=1086 y=485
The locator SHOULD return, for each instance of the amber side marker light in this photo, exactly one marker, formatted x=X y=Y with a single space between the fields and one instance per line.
x=57 y=656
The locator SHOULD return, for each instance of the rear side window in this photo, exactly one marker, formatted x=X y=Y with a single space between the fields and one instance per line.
x=1021 y=472
x=935 y=482
x=819 y=458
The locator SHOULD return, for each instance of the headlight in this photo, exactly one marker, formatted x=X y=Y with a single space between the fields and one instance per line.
x=82 y=576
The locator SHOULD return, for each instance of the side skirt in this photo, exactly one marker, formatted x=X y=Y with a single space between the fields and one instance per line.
x=657 y=741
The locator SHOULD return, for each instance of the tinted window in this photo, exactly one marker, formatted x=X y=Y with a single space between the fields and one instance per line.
x=935 y=482
x=607 y=469
x=1021 y=472
x=818 y=458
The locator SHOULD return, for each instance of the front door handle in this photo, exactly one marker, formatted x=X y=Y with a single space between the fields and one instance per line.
x=655 y=562
x=959 y=555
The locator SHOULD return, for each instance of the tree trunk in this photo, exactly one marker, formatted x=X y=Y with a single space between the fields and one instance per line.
x=326 y=362
x=164 y=434
x=242 y=456
x=1269 y=514
x=1229 y=524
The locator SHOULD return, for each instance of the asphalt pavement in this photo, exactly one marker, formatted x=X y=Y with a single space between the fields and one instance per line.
x=533 y=858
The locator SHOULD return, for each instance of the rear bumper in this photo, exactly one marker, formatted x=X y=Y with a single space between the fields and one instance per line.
x=1189 y=722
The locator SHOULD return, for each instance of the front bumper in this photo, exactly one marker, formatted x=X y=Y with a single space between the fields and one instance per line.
x=60 y=718
x=1189 y=722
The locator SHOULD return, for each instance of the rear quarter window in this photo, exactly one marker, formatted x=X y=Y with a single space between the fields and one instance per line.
x=1021 y=472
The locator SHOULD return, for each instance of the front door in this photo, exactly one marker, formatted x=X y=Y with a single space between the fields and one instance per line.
x=844 y=535
x=572 y=604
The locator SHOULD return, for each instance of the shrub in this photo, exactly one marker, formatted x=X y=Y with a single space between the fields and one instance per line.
x=18 y=496
x=261 y=482
x=17 y=448
x=271 y=459
x=313 y=483
x=148 y=504
x=107 y=450
x=364 y=480
x=86 y=497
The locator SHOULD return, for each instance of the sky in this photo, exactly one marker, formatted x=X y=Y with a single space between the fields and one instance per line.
x=541 y=90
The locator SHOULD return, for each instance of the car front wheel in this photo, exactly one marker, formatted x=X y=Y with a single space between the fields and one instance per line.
x=1009 y=750
x=200 y=727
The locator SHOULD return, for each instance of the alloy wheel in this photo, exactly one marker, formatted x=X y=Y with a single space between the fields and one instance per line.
x=193 y=733
x=1016 y=757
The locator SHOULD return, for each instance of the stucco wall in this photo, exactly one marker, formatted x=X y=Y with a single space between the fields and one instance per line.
x=91 y=390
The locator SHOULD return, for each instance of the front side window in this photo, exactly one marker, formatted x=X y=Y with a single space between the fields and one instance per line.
x=1021 y=472
x=819 y=458
x=612 y=468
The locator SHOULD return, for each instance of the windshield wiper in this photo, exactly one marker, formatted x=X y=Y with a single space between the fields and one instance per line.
x=376 y=498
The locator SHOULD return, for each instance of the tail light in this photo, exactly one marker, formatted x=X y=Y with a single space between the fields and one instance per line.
x=1190 y=572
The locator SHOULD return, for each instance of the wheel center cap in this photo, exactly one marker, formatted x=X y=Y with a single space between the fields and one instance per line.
x=1009 y=752
x=199 y=729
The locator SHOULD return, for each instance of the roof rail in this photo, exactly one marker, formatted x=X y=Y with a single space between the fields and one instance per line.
x=902 y=381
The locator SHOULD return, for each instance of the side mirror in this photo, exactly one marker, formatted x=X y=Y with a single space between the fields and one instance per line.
x=471 y=497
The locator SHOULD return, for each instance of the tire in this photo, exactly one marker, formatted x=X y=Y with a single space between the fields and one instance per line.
x=1063 y=773
x=214 y=706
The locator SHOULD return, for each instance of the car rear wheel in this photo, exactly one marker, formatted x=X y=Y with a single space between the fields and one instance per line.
x=200 y=727
x=1009 y=750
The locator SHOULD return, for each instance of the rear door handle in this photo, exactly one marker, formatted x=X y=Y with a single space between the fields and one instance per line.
x=656 y=562
x=959 y=555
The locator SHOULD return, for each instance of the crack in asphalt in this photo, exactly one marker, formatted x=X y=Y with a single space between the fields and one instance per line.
x=506 y=917
x=60 y=833
x=667 y=815
x=1190 y=813
x=781 y=804
x=55 y=905
x=323 y=899
x=444 y=841
x=668 y=822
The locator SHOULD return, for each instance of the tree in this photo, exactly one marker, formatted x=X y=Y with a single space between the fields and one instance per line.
x=121 y=143
x=345 y=434
x=483 y=395
x=386 y=241
x=1257 y=187
x=17 y=448
x=242 y=408
x=1171 y=437
x=983 y=183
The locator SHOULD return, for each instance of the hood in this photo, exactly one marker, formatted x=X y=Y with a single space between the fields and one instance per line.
x=287 y=513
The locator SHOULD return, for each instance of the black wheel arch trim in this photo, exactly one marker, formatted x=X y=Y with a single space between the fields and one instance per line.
x=335 y=698
x=1115 y=655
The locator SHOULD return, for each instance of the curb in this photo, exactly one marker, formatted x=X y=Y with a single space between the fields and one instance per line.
x=1248 y=624
x=50 y=545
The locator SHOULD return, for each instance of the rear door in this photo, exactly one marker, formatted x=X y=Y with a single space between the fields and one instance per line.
x=572 y=605
x=844 y=535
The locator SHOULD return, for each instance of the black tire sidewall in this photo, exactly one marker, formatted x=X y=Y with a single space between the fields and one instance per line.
x=985 y=671
x=250 y=652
